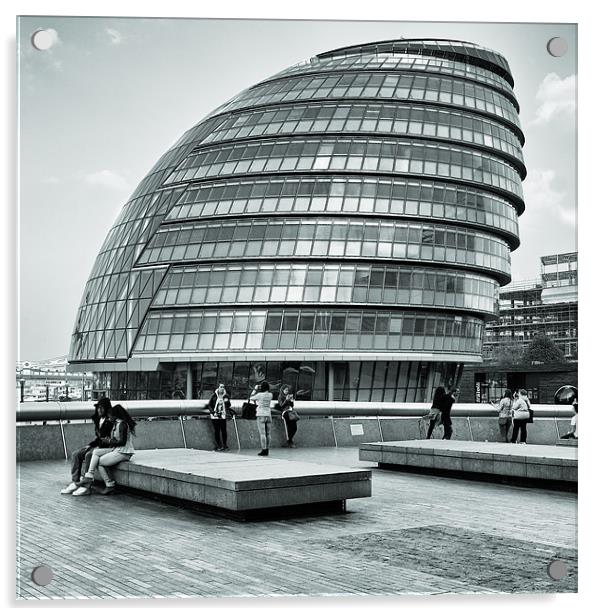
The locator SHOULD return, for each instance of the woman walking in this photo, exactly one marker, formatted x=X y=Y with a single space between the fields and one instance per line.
x=219 y=405
x=504 y=407
x=435 y=413
x=261 y=394
x=520 y=415
x=286 y=402
x=116 y=448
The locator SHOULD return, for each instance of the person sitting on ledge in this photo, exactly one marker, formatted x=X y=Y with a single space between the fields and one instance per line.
x=117 y=448
x=572 y=433
x=80 y=459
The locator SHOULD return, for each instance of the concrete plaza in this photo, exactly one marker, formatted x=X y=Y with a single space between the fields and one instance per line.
x=417 y=534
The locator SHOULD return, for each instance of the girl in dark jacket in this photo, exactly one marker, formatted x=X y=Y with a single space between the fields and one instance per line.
x=115 y=449
x=80 y=459
x=286 y=402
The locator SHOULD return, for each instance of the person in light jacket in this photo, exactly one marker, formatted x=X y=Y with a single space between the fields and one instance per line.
x=219 y=405
x=115 y=449
x=520 y=416
x=261 y=394
x=80 y=459
x=504 y=408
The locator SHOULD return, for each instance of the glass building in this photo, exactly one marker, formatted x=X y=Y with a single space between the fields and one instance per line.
x=343 y=227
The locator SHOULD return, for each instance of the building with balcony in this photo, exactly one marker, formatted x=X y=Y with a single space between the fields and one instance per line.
x=343 y=226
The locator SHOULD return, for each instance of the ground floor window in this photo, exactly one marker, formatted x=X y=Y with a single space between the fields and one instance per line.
x=355 y=381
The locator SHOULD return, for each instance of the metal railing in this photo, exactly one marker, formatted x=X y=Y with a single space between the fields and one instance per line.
x=66 y=411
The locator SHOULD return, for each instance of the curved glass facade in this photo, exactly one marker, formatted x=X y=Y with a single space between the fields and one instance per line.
x=355 y=213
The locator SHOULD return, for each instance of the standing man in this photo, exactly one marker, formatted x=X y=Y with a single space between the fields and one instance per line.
x=446 y=404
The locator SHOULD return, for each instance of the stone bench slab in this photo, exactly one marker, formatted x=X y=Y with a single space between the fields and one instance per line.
x=238 y=482
x=546 y=462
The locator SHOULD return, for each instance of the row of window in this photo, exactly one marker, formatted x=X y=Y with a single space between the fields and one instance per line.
x=326 y=283
x=379 y=85
x=346 y=154
x=286 y=238
x=293 y=329
x=382 y=196
x=401 y=62
x=360 y=117
x=470 y=53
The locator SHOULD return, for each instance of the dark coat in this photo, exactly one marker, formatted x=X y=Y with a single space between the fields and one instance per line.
x=101 y=432
x=445 y=407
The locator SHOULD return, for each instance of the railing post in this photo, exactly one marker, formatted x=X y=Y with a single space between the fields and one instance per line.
x=183 y=433
x=334 y=433
x=236 y=430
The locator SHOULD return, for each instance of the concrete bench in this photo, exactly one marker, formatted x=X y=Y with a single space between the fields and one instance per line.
x=239 y=485
x=526 y=462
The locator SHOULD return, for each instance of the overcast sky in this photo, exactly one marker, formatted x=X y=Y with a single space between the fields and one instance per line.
x=112 y=94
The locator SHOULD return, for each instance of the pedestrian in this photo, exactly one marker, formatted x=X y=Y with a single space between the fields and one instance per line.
x=504 y=408
x=261 y=394
x=435 y=412
x=114 y=449
x=446 y=404
x=572 y=433
x=286 y=402
x=219 y=407
x=520 y=416
x=80 y=459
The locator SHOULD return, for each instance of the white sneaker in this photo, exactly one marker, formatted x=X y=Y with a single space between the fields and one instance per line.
x=83 y=491
x=69 y=489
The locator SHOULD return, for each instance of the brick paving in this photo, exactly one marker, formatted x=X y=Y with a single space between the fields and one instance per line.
x=127 y=546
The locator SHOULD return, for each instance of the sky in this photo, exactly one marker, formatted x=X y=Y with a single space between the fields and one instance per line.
x=111 y=95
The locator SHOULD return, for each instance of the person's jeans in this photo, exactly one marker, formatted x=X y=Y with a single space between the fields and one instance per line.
x=220 y=432
x=104 y=458
x=505 y=428
x=432 y=424
x=447 y=430
x=519 y=424
x=264 y=425
x=291 y=428
x=80 y=461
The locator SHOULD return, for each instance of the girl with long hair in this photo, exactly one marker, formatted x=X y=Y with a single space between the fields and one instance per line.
x=115 y=449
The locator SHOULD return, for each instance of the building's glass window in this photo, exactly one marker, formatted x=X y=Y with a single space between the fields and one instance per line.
x=344 y=284
x=344 y=153
x=369 y=196
x=256 y=238
x=252 y=330
x=374 y=118
x=455 y=92
x=388 y=61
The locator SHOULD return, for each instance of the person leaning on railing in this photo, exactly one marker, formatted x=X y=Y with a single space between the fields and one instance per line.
x=520 y=416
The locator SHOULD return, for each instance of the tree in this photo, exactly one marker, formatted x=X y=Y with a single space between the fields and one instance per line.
x=542 y=349
x=507 y=353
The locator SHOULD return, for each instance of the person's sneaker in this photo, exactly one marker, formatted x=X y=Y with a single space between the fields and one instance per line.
x=106 y=490
x=82 y=491
x=263 y=452
x=70 y=488
x=293 y=445
x=225 y=448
